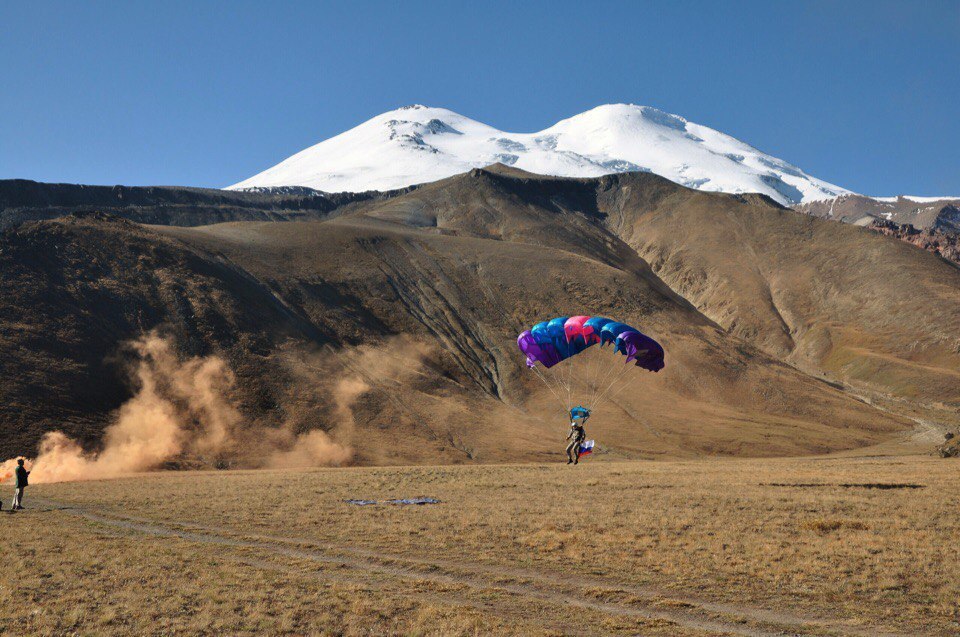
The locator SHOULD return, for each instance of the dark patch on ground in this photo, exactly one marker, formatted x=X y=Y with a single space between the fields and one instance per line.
x=848 y=485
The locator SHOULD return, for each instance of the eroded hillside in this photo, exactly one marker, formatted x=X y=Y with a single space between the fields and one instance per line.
x=411 y=304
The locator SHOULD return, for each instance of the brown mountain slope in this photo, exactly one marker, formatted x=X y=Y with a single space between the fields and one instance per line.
x=831 y=298
x=413 y=303
x=470 y=297
x=268 y=297
x=73 y=291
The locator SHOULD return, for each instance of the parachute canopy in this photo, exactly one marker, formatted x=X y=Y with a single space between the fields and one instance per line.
x=551 y=342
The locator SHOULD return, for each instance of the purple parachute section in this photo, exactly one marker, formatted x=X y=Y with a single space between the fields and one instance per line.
x=546 y=354
x=551 y=342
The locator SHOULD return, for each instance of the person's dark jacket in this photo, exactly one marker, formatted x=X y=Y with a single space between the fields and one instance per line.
x=22 y=477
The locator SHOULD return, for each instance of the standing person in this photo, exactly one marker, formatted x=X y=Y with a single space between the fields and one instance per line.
x=576 y=436
x=22 y=474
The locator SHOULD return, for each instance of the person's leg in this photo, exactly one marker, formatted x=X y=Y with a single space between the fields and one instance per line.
x=570 y=448
x=16 y=499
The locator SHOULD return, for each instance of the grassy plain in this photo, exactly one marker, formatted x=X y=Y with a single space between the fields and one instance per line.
x=812 y=546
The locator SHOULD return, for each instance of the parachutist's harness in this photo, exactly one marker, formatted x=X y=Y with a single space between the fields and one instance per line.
x=578 y=433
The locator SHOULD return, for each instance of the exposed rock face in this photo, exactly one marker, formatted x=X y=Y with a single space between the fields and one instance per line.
x=944 y=243
x=922 y=213
x=950 y=447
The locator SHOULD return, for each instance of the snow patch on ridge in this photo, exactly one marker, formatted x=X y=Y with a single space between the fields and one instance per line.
x=915 y=199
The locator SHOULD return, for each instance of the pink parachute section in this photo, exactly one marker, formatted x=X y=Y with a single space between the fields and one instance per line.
x=576 y=326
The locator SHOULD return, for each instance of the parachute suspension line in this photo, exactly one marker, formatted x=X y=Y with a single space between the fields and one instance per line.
x=598 y=385
x=562 y=377
x=617 y=377
x=566 y=377
x=595 y=376
x=577 y=375
x=549 y=386
x=619 y=386
x=561 y=402
x=623 y=375
x=606 y=392
x=599 y=360
x=564 y=385
x=580 y=379
x=610 y=372
x=586 y=378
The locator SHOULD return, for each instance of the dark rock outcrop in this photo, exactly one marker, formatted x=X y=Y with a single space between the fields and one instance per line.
x=944 y=243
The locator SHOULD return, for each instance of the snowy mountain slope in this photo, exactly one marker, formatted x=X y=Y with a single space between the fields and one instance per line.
x=419 y=144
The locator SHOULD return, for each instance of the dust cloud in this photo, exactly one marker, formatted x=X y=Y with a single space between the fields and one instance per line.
x=179 y=407
x=316 y=447
x=386 y=366
x=182 y=411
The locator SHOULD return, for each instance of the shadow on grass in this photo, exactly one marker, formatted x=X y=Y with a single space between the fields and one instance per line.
x=848 y=485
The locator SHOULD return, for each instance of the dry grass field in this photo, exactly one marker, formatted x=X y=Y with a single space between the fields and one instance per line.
x=812 y=546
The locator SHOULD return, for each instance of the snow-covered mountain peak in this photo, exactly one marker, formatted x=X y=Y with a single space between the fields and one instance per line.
x=418 y=144
x=622 y=116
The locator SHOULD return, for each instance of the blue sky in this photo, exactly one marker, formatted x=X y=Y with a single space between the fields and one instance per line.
x=862 y=94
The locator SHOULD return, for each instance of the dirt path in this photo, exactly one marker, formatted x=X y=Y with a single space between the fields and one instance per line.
x=594 y=594
x=921 y=439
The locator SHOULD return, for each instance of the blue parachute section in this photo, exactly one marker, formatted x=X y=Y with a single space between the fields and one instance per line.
x=579 y=413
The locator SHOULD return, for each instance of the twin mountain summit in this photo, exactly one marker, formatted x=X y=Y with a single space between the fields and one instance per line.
x=419 y=144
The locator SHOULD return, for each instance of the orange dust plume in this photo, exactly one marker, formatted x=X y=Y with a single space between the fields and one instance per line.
x=180 y=407
x=385 y=367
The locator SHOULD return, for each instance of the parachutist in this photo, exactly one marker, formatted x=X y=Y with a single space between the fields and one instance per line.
x=576 y=436
x=552 y=344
